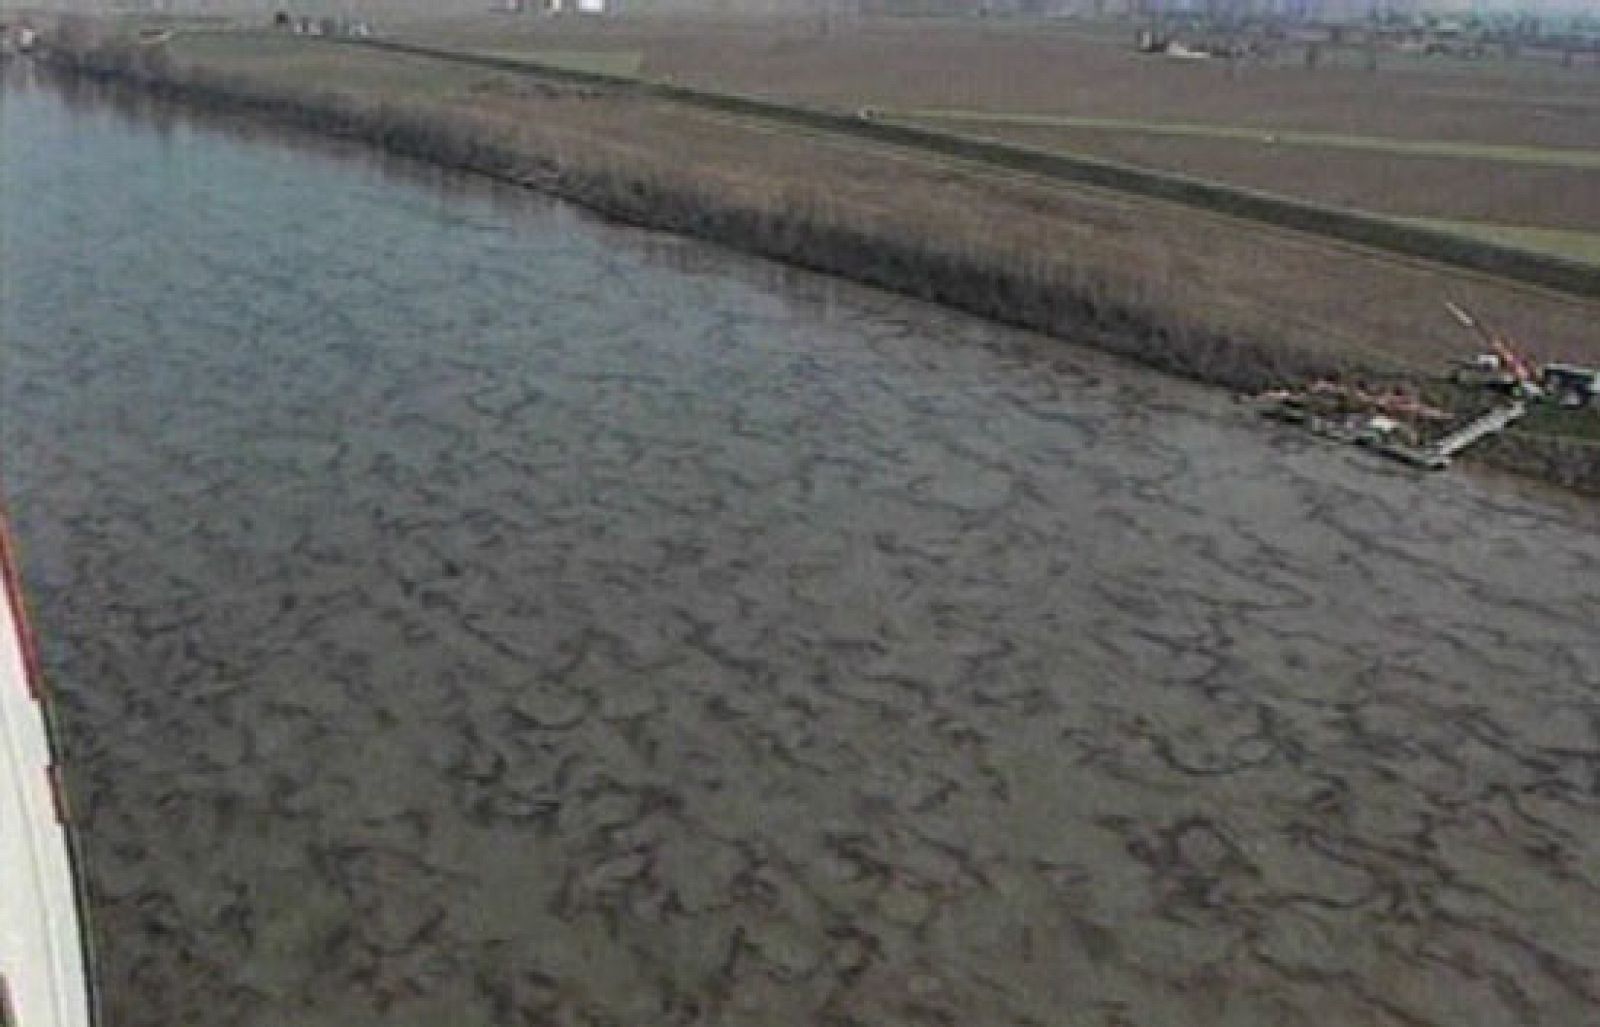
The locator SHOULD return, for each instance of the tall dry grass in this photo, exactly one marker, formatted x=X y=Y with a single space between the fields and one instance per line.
x=1135 y=315
x=1138 y=315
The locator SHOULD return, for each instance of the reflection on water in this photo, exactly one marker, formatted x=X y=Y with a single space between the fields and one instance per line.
x=465 y=612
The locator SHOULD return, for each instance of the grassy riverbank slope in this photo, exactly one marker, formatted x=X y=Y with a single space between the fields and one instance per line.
x=1196 y=293
x=1495 y=142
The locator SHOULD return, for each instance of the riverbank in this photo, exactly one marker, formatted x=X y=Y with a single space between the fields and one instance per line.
x=1488 y=142
x=1201 y=297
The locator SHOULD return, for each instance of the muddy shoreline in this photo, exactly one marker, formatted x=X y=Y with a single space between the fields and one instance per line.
x=999 y=286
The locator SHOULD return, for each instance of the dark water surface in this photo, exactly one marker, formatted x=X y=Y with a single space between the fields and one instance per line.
x=468 y=613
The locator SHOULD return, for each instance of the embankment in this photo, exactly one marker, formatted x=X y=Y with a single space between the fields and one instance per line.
x=1004 y=285
x=1351 y=226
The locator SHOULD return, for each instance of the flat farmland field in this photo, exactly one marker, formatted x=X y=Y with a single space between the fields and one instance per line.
x=1494 y=145
x=1040 y=68
x=1410 y=185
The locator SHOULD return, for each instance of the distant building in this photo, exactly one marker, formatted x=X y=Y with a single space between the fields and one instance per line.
x=577 y=6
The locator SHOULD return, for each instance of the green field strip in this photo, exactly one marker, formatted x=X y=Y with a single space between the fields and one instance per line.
x=1563 y=242
x=1588 y=160
x=1348 y=226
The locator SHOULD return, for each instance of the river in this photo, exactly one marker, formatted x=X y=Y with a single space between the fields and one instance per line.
x=464 y=611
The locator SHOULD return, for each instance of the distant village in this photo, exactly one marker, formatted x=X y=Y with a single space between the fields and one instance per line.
x=1177 y=34
x=360 y=28
x=1198 y=29
x=305 y=25
x=558 y=6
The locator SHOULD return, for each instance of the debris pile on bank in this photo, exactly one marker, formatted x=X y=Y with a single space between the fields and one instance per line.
x=1482 y=395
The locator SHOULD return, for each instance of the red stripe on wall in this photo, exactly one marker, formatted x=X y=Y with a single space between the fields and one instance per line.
x=26 y=641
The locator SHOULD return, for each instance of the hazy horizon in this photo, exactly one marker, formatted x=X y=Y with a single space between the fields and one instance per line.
x=771 y=8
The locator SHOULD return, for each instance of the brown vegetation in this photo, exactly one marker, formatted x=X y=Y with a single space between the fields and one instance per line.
x=808 y=231
x=1046 y=68
x=1174 y=289
x=1039 y=68
x=1448 y=188
x=1557 y=271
